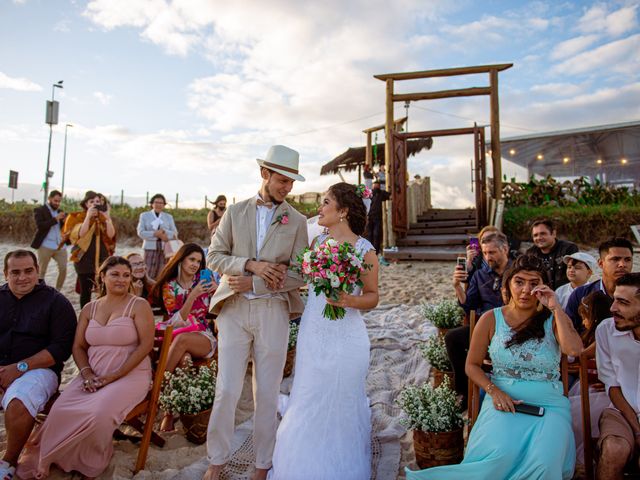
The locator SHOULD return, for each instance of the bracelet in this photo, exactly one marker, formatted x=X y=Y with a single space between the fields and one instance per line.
x=83 y=369
x=489 y=388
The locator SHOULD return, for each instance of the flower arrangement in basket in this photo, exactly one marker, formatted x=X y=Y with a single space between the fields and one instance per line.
x=331 y=268
x=291 y=348
x=444 y=315
x=433 y=413
x=435 y=352
x=190 y=391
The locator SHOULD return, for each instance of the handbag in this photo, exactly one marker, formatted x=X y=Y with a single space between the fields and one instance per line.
x=171 y=247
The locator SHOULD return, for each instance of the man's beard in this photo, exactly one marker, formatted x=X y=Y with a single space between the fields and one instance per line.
x=275 y=202
x=629 y=324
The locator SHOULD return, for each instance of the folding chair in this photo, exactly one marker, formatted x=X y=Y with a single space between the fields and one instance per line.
x=149 y=406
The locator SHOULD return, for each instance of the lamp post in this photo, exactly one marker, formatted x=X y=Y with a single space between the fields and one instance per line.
x=51 y=119
x=64 y=157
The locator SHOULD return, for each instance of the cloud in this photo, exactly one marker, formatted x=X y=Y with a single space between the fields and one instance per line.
x=19 y=84
x=620 y=56
x=598 y=19
x=103 y=98
x=572 y=46
x=62 y=26
x=558 y=89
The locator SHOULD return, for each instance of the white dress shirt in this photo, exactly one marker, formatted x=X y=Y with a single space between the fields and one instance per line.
x=618 y=360
x=264 y=218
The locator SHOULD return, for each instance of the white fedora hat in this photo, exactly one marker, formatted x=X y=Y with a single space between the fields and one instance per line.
x=282 y=160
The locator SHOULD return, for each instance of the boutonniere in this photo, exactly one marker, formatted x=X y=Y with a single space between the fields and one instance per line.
x=282 y=219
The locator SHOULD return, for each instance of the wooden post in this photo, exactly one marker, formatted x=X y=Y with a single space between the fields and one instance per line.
x=177 y=196
x=146 y=202
x=389 y=237
x=495 y=135
x=368 y=157
x=359 y=174
x=205 y=201
x=122 y=198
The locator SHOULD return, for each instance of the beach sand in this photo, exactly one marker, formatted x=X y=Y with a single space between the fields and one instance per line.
x=395 y=327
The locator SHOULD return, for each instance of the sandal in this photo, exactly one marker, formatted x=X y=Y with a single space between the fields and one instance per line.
x=7 y=472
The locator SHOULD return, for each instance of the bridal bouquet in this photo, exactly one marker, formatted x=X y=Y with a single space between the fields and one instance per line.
x=331 y=268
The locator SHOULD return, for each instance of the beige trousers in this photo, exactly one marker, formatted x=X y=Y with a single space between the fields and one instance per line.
x=258 y=328
x=60 y=256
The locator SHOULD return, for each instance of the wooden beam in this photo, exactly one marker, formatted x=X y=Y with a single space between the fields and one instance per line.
x=462 y=92
x=495 y=136
x=445 y=72
x=388 y=236
x=400 y=121
x=368 y=155
x=439 y=133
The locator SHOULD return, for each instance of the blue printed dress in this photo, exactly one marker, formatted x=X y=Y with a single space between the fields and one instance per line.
x=517 y=446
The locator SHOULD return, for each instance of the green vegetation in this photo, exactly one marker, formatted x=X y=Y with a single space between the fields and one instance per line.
x=587 y=225
x=17 y=224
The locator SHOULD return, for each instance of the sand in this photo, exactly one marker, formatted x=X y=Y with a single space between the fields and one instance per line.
x=395 y=327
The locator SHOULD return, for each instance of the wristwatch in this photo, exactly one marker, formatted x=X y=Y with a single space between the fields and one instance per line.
x=22 y=366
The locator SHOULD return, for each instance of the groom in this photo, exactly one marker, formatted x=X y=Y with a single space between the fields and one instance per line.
x=253 y=245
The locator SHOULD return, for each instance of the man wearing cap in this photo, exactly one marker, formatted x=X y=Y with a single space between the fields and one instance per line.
x=255 y=242
x=580 y=267
x=548 y=248
x=616 y=260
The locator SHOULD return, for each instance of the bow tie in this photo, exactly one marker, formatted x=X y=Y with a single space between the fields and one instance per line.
x=262 y=203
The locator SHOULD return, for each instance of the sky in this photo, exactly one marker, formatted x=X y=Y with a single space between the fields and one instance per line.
x=181 y=96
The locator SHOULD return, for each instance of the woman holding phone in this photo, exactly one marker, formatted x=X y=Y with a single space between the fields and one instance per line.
x=183 y=289
x=524 y=340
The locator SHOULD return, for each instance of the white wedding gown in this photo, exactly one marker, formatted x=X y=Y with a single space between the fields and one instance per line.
x=325 y=433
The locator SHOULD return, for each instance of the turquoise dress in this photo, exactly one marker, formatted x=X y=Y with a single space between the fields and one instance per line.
x=517 y=446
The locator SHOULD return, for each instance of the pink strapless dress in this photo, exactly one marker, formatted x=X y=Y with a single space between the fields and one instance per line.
x=78 y=433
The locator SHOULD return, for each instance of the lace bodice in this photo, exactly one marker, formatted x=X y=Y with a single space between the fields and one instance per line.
x=532 y=360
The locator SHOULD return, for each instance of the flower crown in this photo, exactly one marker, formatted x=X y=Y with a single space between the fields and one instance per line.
x=363 y=191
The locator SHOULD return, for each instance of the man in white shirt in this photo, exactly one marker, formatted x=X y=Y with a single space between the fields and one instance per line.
x=618 y=359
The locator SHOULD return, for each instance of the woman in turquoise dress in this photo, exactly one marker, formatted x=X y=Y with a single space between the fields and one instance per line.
x=524 y=340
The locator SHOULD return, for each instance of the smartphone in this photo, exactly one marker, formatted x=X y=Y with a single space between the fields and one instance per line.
x=206 y=276
x=462 y=261
x=529 y=409
x=475 y=243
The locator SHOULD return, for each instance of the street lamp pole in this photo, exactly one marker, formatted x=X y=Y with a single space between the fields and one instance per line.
x=64 y=158
x=51 y=121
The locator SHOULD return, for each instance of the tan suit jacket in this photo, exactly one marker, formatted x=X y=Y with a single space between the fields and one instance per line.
x=234 y=243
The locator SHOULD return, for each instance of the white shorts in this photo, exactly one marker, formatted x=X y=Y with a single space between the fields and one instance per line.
x=34 y=389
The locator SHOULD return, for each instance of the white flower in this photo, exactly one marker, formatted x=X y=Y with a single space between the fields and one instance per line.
x=307 y=256
x=335 y=281
x=331 y=243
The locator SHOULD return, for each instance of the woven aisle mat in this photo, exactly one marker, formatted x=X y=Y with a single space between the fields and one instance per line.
x=394 y=331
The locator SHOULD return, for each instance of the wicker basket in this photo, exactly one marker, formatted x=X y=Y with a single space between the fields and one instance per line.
x=195 y=426
x=438 y=377
x=288 y=366
x=441 y=448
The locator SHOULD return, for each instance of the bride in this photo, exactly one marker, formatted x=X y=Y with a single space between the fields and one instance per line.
x=325 y=433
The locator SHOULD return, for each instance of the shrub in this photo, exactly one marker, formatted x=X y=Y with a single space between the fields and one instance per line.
x=446 y=314
x=435 y=352
x=430 y=409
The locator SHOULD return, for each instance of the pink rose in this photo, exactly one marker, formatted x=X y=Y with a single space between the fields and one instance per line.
x=334 y=250
x=333 y=268
x=284 y=220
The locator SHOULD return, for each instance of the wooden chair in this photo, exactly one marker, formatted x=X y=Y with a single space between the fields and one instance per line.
x=587 y=365
x=149 y=406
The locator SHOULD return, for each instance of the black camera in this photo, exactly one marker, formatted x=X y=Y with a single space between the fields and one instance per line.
x=102 y=207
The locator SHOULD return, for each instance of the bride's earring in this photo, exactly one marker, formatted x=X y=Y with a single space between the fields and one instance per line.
x=341 y=219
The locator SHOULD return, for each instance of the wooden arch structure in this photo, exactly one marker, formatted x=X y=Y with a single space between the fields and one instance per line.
x=395 y=143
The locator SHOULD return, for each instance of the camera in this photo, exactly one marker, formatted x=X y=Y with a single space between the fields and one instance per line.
x=102 y=207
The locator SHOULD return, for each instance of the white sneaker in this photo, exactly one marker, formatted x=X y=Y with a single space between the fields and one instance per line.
x=7 y=472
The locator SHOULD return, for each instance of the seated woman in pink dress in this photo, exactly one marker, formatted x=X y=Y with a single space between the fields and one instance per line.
x=185 y=299
x=111 y=348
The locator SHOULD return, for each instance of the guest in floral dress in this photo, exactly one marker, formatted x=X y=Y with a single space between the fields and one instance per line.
x=185 y=300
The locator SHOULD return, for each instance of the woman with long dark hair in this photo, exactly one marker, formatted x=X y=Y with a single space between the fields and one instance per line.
x=141 y=283
x=326 y=429
x=215 y=214
x=111 y=349
x=524 y=340
x=184 y=297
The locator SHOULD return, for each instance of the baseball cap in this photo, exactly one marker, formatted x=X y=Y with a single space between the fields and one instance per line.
x=581 y=257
